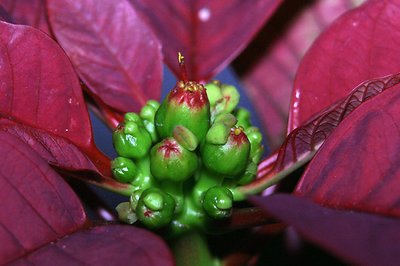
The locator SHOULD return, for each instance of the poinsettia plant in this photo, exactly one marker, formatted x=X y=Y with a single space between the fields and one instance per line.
x=323 y=76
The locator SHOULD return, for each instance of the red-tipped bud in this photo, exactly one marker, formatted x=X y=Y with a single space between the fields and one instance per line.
x=170 y=161
x=186 y=105
x=228 y=159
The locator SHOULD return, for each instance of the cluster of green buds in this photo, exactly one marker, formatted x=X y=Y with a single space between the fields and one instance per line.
x=184 y=157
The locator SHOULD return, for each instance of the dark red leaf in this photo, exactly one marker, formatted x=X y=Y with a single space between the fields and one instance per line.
x=209 y=33
x=39 y=88
x=269 y=63
x=37 y=206
x=360 y=45
x=114 y=52
x=358 y=238
x=303 y=142
x=105 y=245
x=357 y=168
x=54 y=149
x=62 y=155
x=28 y=12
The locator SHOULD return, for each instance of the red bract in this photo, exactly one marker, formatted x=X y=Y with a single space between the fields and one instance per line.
x=362 y=137
x=51 y=99
x=34 y=199
x=39 y=209
x=359 y=238
x=52 y=102
x=359 y=46
x=114 y=53
x=116 y=49
x=27 y=12
x=268 y=66
x=104 y=245
x=304 y=141
x=210 y=33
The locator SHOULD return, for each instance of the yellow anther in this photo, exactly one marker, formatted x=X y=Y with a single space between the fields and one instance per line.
x=181 y=58
x=238 y=130
x=181 y=84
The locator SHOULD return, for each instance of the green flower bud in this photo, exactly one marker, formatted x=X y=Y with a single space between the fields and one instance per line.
x=123 y=169
x=255 y=139
x=147 y=114
x=214 y=93
x=218 y=134
x=132 y=117
x=155 y=208
x=230 y=158
x=219 y=131
x=249 y=174
x=227 y=119
x=125 y=213
x=149 y=110
x=186 y=105
x=228 y=98
x=243 y=117
x=256 y=150
x=143 y=178
x=231 y=97
x=218 y=202
x=131 y=140
x=170 y=161
x=186 y=138
x=134 y=198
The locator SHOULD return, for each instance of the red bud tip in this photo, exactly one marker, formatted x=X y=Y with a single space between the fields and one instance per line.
x=169 y=148
x=238 y=136
x=191 y=93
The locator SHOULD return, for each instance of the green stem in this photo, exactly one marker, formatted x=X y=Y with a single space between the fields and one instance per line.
x=175 y=189
x=192 y=249
x=114 y=186
x=144 y=179
x=270 y=179
x=98 y=180
x=206 y=180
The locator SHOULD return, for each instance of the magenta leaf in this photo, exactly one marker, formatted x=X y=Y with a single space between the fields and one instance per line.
x=304 y=141
x=114 y=52
x=39 y=88
x=104 y=245
x=357 y=168
x=357 y=238
x=208 y=33
x=269 y=64
x=37 y=206
x=27 y=12
x=356 y=47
